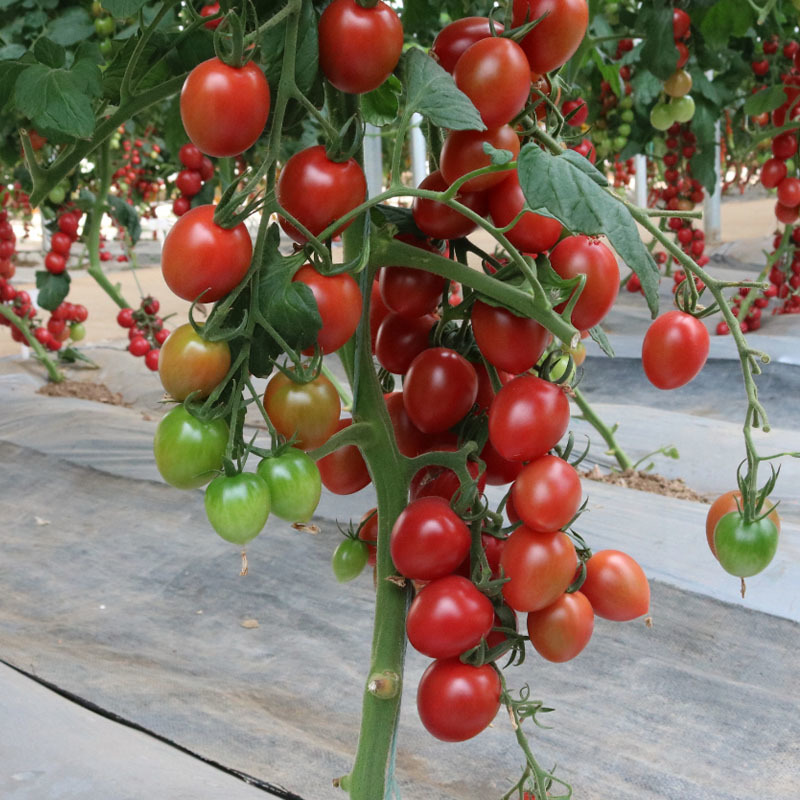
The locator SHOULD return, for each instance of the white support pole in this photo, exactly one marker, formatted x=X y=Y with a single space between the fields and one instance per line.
x=373 y=159
x=419 y=150
x=640 y=162
x=712 y=212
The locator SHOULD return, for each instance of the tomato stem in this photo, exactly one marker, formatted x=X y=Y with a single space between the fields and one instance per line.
x=607 y=433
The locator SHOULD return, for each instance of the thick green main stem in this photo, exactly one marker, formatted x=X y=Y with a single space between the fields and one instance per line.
x=53 y=372
x=382 y=694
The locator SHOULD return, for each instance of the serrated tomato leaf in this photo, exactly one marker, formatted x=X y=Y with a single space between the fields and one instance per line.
x=556 y=186
x=52 y=289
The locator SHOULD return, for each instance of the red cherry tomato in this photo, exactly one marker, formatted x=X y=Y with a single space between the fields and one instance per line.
x=616 y=586
x=784 y=145
x=553 y=41
x=411 y=441
x=317 y=191
x=201 y=258
x=439 y=389
x=508 y=342
x=448 y=616
x=189 y=182
x=410 y=292
x=338 y=300
x=463 y=152
x=494 y=74
x=674 y=349
x=789 y=192
x=190 y=156
x=582 y=255
x=561 y=630
x=540 y=567
x=401 y=339
x=224 y=109
x=452 y=40
x=359 y=47
x=344 y=471
x=428 y=540
x=681 y=22
x=438 y=481
x=527 y=418
x=457 y=701
x=438 y=220
x=547 y=493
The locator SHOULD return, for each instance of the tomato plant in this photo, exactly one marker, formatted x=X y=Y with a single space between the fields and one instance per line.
x=237 y=506
x=616 y=586
x=674 y=350
x=349 y=559
x=742 y=547
x=560 y=631
x=547 y=493
x=190 y=363
x=294 y=484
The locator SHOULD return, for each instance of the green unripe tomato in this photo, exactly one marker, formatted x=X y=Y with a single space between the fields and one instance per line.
x=106 y=47
x=627 y=115
x=104 y=26
x=57 y=195
x=189 y=451
x=559 y=369
x=294 y=484
x=661 y=117
x=620 y=142
x=743 y=548
x=682 y=108
x=624 y=130
x=97 y=9
x=237 y=506
x=349 y=559
x=626 y=103
x=77 y=331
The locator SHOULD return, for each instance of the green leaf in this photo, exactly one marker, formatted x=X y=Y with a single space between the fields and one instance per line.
x=765 y=100
x=703 y=165
x=125 y=214
x=556 y=186
x=701 y=85
x=401 y=218
x=307 y=58
x=610 y=72
x=379 y=107
x=52 y=289
x=658 y=54
x=49 y=53
x=11 y=51
x=55 y=99
x=432 y=92
x=123 y=8
x=73 y=26
x=498 y=157
x=646 y=88
x=725 y=19
x=599 y=336
x=583 y=164
x=69 y=355
x=9 y=71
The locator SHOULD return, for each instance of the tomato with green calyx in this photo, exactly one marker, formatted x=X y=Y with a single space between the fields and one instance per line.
x=554 y=40
x=189 y=363
x=561 y=630
x=294 y=484
x=309 y=410
x=454 y=39
x=237 y=506
x=349 y=559
x=725 y=504
x=104 y=26
x=189 y=451
x=547 y=493
x=616 y=586
x=202 y=260
x=674 y=349
x=745 y=548
x=224 y=109
x=457 y=701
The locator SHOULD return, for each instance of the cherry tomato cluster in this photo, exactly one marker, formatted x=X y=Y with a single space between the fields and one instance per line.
x=780 y=65
x=612 y=126
x=197 y=170
x=137 y=178
x=146 y=331
x=68 y=222
x=680 y=108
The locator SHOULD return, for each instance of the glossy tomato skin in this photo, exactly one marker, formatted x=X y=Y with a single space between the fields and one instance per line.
x=408 y=291
x=189 y=451
x=561 y=630
x=201 y=259
x=438 y=220
x=527 y=418
x=317 y=191
x=237 y=506
x=359 y=47
x=438 y=481
x=583 y=255
x=463 y=152
x=224 y=109
x=401 y=339
x=674 y=349
x=533 y=233
x=556 y=38
x=448 y=616
x=457 y=701
x=616 y=586
x=349 y=559
x=344 y=471
x=745 y=548
x=311 y=410
x=339 y=303
x=429 y=540
x=508 y=342
x=486 y=392
x=725 y=504
x=494 y=74
x=540 y=567
x=499 y=471
x=547 y=493
x=773 y=172
x=377 y=312
x=368 y=532
x=294 y=484
x=189 y=363
x=411 y=441
x=439 y=389
x=452 y=40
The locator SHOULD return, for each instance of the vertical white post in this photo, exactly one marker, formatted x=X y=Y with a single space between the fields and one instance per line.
x=419 y=150
x=640 y=162
x=712 y=211
x=373 y=159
